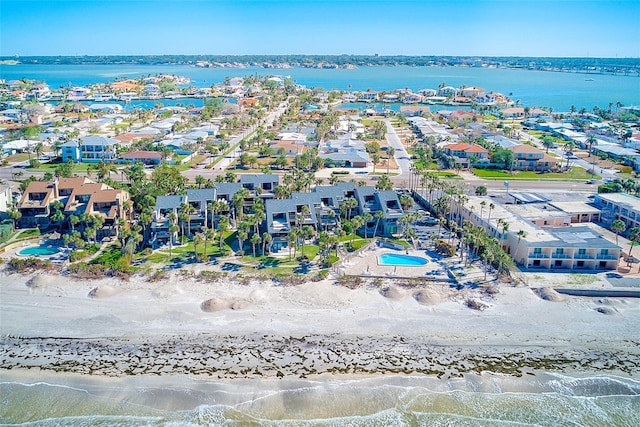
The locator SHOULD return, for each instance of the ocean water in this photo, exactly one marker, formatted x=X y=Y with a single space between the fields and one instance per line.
x=533 y=88
x=543 y=399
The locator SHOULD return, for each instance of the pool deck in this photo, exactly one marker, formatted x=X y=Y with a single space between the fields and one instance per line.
x=13 y=250
x=367 y=264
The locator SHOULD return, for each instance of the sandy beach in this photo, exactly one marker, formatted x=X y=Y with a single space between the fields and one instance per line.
x=188 y=351
x=230 y=329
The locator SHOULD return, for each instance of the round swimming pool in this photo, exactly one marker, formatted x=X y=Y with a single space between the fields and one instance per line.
x=39 y=251
x=402 y=260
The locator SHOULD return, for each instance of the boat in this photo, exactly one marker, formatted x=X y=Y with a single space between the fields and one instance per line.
x=589 y=80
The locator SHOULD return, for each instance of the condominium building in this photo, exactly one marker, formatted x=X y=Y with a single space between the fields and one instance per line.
x=546 y=247
x=622 y=206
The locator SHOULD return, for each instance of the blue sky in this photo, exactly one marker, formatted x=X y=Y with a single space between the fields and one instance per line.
x=574 y=28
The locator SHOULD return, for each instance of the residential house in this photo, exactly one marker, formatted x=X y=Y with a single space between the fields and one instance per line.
x=369 y=96
x=466 y=153
x=90 y=149
x=345 y=152
x=245 y=103
x=447 y=91
x=18 y=146
x=106 y=108
x=200 y=200
x=629 y=156
x=528 y=158
x=77 y=93
x=472 y=92
x=462 y=116
x=145 y=157
x=15 y=114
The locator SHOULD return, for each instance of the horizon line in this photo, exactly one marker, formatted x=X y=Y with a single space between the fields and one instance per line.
x=310 y=54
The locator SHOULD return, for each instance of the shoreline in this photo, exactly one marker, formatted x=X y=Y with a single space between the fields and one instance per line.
x=252 y=357
x=118 y=352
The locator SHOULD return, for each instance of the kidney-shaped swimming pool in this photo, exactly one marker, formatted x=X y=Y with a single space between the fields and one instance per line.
x=402 y=260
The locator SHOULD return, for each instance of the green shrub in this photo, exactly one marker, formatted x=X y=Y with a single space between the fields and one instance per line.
x=25 y=265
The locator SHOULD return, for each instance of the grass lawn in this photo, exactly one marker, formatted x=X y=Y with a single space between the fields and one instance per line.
x=399 y=242
x=51 y=167
x=447 y=175
x=357 y=242
x=575 y=174
x=27 y=233
x=20 y=157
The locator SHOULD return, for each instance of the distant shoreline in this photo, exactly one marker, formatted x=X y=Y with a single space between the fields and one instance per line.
x=622 y=66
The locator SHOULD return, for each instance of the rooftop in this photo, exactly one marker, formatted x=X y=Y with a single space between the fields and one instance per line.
x=627 y=200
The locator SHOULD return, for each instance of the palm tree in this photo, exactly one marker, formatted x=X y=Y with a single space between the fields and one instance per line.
x=375 y=158
x=266 y=240
x=73 y=221
x=183 y=216
x=255 y=240
x=293 y=240
x=591 y=141
x=390 y=152
x=241 y=235
x=238 y=203
x=378 y=216
x=618 y=226
x=173 y=228
x=367 y=219
x=223 y=227
x=208 y=236
x=197 y=240
x=548 y=142
x=568 y=147
x=57 y=218
x=634 y=238
x=521 y=235
x=491 y=206
x=350 y=203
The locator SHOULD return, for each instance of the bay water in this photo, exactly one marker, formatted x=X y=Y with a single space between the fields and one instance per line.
x=557 y=90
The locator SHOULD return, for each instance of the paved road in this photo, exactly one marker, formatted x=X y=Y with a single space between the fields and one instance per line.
x=402 y=158
x=220 y=168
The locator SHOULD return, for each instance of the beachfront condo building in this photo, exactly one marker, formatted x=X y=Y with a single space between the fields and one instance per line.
x=543 y=239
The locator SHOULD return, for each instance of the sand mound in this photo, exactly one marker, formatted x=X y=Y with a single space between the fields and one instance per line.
x=257 y=295
x=214 y=304
x=550 y=294
x=606 y=310
x=103 y=291
x=40 y=281
x=166 y=291
x=427 y=297
x=393 y=292
x=238 y=304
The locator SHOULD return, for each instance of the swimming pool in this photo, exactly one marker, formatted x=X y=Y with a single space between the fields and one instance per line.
x=402 y=260
x=39 y=251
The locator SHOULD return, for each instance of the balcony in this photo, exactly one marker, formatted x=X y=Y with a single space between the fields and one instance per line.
x=561 y=256
x=613 y=257
x=583 y=256
x=535 y=255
